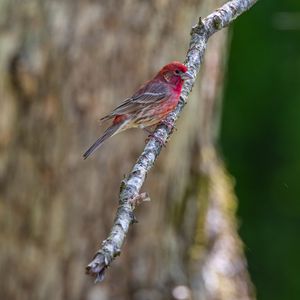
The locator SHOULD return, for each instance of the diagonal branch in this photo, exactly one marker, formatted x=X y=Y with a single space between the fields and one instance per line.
x=130 y=187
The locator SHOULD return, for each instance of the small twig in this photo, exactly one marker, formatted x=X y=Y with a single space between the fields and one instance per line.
x=130 y=187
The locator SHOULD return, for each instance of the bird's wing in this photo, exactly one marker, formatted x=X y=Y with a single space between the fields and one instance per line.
x=149 y=93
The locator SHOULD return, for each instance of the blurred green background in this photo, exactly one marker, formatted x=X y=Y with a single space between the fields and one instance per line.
x=261 y=144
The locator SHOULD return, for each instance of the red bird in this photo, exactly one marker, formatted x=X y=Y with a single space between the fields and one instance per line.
x=152 y=102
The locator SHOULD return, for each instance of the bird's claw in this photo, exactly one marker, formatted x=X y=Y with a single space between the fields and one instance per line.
x=171 y=126
x=157 y=138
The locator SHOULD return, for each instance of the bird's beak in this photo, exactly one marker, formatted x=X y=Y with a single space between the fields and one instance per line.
x=186 y=76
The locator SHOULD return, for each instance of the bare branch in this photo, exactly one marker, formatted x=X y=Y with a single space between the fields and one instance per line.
x=130 y=187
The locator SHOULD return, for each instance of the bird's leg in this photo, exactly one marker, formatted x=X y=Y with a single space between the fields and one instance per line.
x=171 y=127
x=152 y=135
x=158 y=139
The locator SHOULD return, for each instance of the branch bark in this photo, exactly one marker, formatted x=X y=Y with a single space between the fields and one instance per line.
x=130 y=187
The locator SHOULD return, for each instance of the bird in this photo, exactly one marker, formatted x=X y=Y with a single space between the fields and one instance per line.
x=148 y=106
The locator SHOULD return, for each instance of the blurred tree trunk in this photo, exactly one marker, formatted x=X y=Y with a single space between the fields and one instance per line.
x=63 y=64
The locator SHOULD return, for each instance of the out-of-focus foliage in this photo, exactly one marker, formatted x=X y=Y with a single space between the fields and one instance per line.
x=261 y=142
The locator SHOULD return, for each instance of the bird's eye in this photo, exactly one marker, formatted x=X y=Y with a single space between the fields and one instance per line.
x=177 y=72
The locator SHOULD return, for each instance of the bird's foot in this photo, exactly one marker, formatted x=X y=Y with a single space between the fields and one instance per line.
x=157 y=138
x=170 y=125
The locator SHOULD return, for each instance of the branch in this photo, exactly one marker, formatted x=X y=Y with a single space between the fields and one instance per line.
x=130 y=187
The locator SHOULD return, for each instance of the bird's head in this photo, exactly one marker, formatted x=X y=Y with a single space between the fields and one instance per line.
x=174 y=73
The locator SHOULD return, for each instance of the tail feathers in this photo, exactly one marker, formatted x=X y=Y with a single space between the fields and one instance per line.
x=108 y=133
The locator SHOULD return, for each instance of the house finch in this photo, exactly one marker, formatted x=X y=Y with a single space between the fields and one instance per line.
x=152 y=102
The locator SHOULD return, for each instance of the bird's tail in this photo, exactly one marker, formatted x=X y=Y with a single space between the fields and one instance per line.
x=110 y=131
